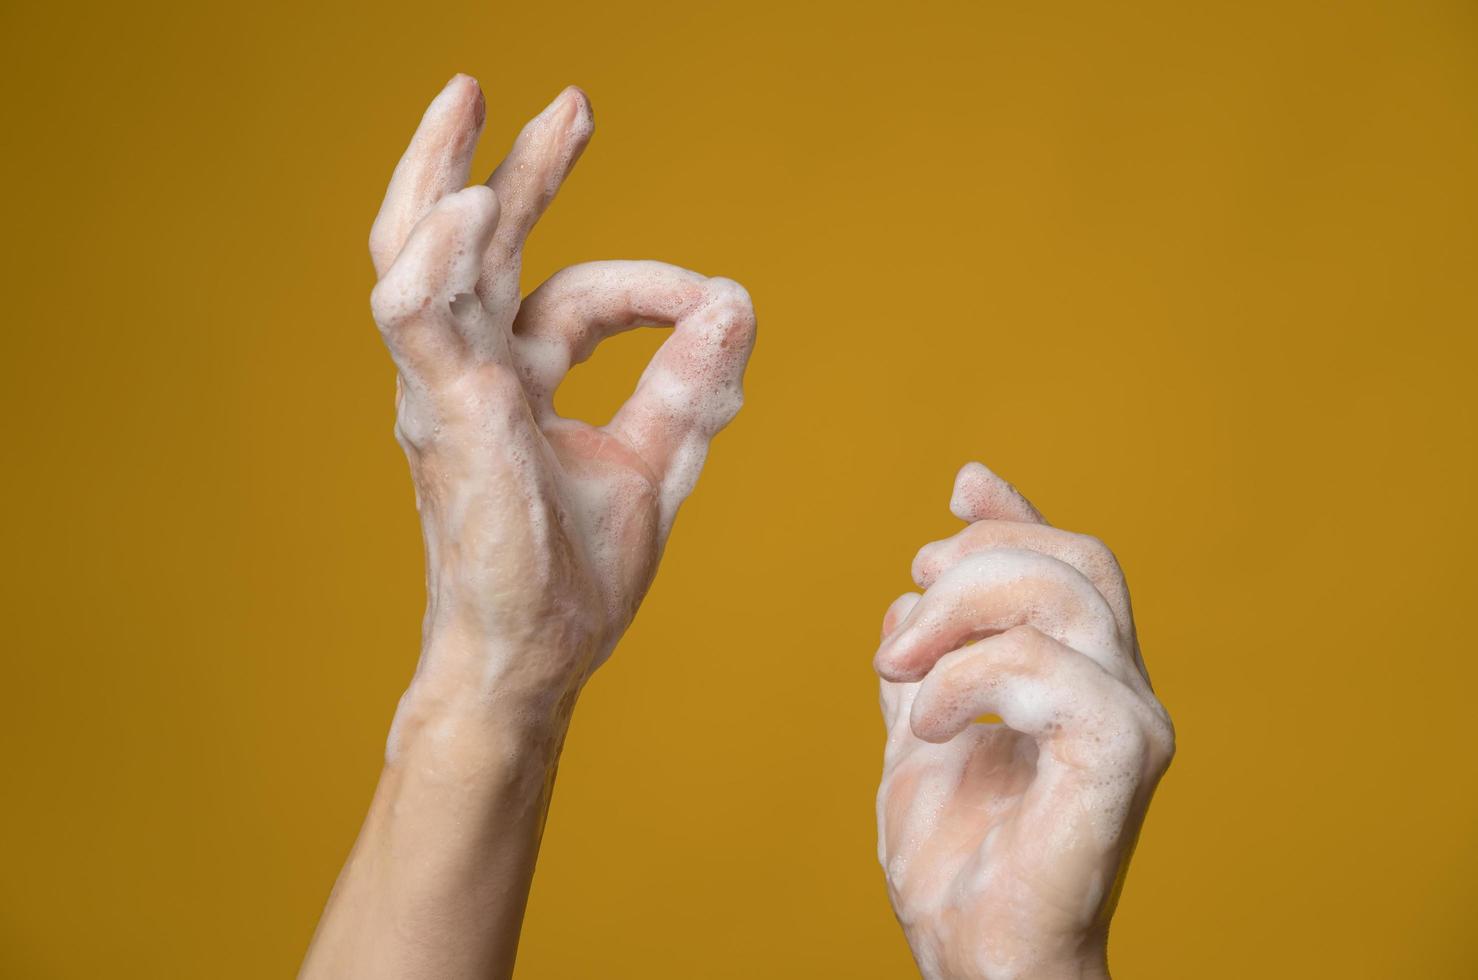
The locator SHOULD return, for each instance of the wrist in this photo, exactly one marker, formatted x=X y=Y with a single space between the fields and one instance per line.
x=1087 y=960
x=441 y=713
x=1087 y=968
x=471 y=707
x=1022 y=956
x=509 y=673
x=452 y=744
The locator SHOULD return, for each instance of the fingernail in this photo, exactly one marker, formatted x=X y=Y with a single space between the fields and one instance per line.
x=479 y=108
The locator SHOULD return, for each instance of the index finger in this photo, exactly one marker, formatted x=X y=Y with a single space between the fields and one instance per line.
x=981 y=495
x=692 y=387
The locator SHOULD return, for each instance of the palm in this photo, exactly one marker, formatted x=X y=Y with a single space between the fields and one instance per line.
x=981 y=776
x=960 y=831
x=612 y=499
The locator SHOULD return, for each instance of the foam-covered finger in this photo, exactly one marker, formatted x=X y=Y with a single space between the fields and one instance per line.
x=1035 y=684
x=426 y=302
x=896 y=698
x=980 y=495
x=435 y=164
x=691 y=389
x=994 y=591
x=1085 y=553
x=898 y=610
x=561 y=323
x=542 y=157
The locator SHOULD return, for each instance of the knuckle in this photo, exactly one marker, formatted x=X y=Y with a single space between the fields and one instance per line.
x=1094 y=546
x=464 y=409
x=732 y=303
x=1094 y=553
x=414 y=427
x=1160 y=735
x=410 y=436
x=1148 y=736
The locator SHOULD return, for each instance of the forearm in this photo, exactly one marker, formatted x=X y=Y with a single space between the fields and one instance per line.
x=437 y=882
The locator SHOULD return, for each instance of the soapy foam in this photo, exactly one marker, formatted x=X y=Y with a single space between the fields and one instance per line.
x=975 y=830
x=691 y=388
x=992 y=591
x=526 y=513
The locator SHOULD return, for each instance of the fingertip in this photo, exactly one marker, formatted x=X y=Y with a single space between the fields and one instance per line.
x=940 y=710
x=480 y=197
x=898 y=610
x=568 y=119
x=474 y=209
x=930 y=722
x=972 y=482
x=922 y=569
x=892 y=664
x=897 y=659
x=927 y=728
x=462 y=92
x=542 y=157
x=582 y=119
x=980 y=494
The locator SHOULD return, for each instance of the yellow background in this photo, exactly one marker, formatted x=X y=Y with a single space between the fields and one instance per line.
x=1200 y=278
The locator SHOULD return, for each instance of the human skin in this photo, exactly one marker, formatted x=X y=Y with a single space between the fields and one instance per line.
x=542 y=533
x=1005 y=843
